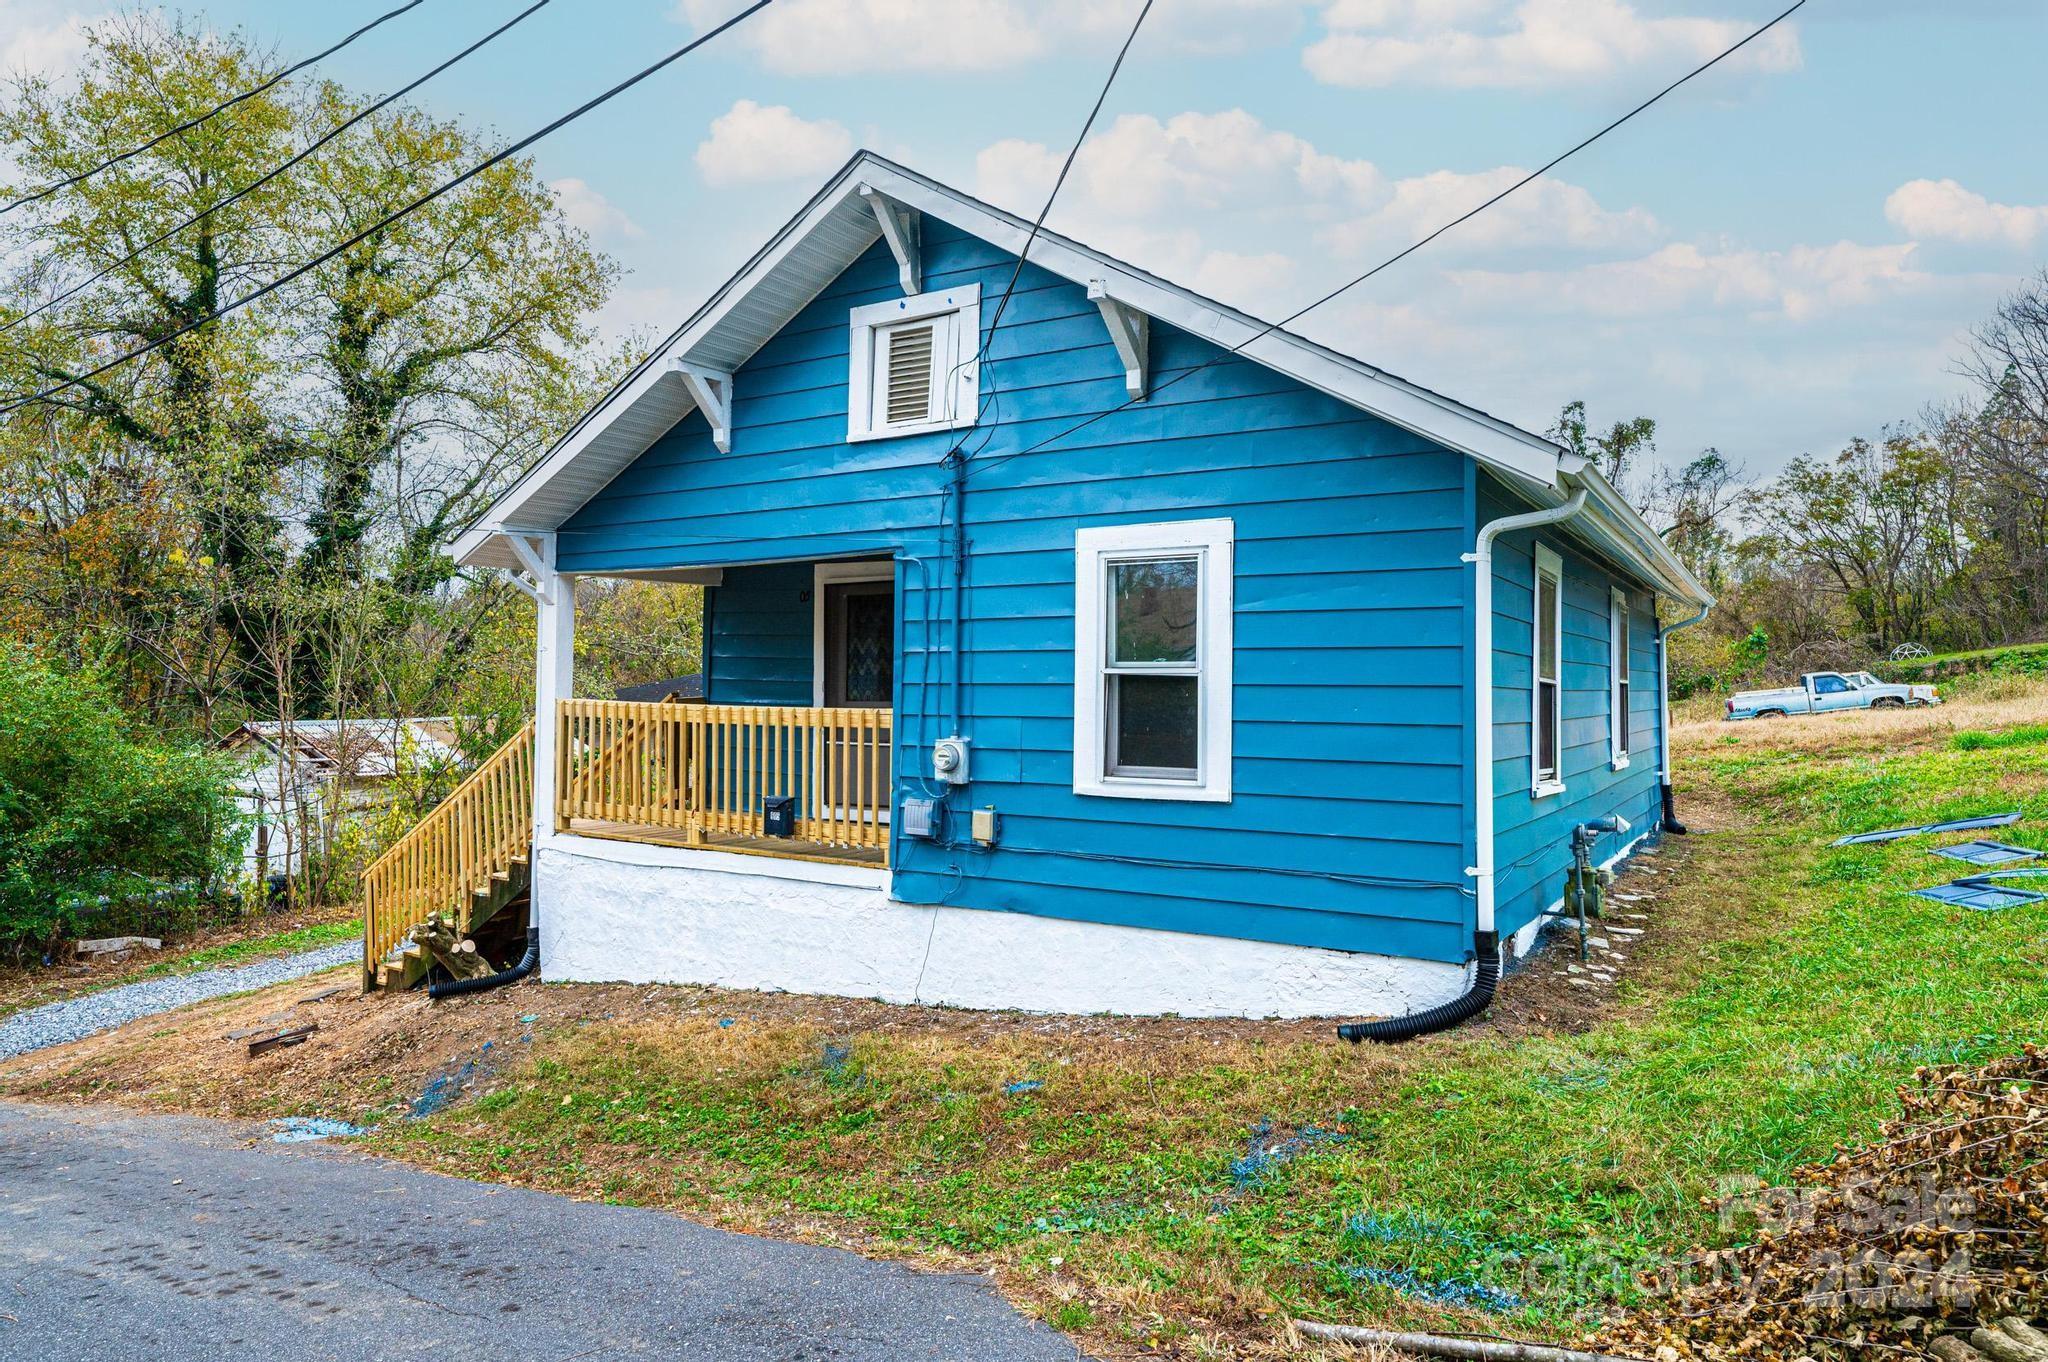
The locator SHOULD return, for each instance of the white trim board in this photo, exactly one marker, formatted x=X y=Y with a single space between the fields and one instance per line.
x=1096 y=549
x=759 y=930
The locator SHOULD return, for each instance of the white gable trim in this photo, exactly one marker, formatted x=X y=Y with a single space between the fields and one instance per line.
x=841 y=222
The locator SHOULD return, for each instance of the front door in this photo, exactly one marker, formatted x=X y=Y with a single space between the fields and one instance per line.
x=859 y=672
x=860 y=644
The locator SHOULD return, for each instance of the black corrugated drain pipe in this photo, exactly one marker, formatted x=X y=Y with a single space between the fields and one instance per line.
x=527 y=963
x=1445 y=1015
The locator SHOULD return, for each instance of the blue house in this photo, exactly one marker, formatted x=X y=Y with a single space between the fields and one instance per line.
x=1084 y=647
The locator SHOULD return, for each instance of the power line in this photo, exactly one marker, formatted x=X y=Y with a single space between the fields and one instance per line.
x=15 y=404
x=981 y=351
x=221 y=107
x=1066 y=166
x=1407 y=251
x=251 y=188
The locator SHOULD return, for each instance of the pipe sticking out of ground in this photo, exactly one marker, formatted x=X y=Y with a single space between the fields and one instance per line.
x=1438 y=1345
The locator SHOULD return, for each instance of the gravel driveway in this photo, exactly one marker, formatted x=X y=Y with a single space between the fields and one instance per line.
x=76 y=1018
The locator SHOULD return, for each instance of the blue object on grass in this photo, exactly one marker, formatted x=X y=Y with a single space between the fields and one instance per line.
x=1023 y=1085
x=1980 y=895
x=724 y=1022
x=1983 y=852
x=440 y=1094
x=1469 y=1295
x=300 y=1129
x=1988 y=820
x=1267 y=1153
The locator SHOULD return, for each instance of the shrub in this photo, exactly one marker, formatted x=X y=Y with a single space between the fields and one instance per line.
x=94 y=819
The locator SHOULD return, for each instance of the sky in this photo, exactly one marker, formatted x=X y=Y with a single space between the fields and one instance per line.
x=1787 y=253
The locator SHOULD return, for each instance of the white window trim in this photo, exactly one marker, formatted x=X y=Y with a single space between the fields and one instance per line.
x=1547 y=563
x=822 y=573
x=960 y=400
x=1619 y=627
x=1213 y=541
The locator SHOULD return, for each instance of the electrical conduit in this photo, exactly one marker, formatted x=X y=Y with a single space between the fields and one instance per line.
x=1486 y=940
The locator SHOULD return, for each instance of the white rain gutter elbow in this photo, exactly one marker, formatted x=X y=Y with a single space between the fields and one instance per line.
x=1481 y=558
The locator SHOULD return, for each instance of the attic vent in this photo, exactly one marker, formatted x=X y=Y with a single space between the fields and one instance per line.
x=912 y=366
x=909 y=393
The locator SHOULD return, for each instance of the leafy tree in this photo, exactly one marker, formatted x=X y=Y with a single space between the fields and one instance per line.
x=312 y=452
x=1616 y=452
x=92 y=816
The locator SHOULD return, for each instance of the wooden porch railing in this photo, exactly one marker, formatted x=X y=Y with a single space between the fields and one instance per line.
x=478 y=831
x=704 y=770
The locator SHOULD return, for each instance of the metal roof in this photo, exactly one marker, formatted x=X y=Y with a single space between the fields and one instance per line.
x=838 y=225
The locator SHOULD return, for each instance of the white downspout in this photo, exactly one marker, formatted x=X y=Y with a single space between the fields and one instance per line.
x=1664 y=632
x=1481 y=558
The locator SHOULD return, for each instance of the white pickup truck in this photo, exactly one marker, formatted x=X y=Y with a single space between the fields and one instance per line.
x=1822 y=692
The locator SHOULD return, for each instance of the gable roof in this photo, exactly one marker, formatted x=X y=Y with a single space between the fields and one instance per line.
x=839 y=225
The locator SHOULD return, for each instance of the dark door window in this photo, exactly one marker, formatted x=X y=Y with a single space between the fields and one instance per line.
x=860 y=643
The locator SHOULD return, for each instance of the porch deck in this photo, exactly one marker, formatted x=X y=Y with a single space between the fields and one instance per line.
x=696 y=775
x=787 y=848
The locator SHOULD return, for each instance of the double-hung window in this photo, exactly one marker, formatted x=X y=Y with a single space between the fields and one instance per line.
x=914 y=367
x=1546 y=740
x=1620 y=662
x=1152 y=660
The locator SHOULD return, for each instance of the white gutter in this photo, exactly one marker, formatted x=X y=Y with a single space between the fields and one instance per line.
x=1481 y=558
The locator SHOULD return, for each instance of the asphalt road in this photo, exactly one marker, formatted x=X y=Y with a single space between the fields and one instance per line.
x=162 y=1238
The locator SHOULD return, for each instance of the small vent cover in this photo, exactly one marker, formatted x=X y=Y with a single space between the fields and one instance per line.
x=910 y=375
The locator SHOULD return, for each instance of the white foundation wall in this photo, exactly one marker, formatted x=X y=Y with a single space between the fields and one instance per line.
x=625 y=912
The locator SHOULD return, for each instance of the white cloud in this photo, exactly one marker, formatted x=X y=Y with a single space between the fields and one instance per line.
x=38 y=39
x=1537 y=44
x=1545 y=213
x=835 y=37
x=1219 y=200
x=1796 y=284
x=1142 y=168
x=753 y=142
x=1945 y=211
x=593 y=212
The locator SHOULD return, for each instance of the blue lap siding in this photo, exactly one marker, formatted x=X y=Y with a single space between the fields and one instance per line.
x=1349 y=824
x=1532 y=851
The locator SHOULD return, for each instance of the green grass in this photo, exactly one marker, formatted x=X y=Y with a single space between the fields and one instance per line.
x=1979 y=740
x=237 y=952
x=1545 y=1166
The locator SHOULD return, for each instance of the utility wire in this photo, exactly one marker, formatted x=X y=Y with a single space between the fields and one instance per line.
x=1066 y=166
x=506 y=153
x=981 y=352
x=221 y=107
x=251 y=188
x=1404 y=253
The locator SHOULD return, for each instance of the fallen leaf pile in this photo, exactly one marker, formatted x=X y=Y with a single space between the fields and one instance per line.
x=1902 y=1248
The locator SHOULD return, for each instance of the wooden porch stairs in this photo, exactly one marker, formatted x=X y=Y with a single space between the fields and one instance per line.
x=470 y=860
